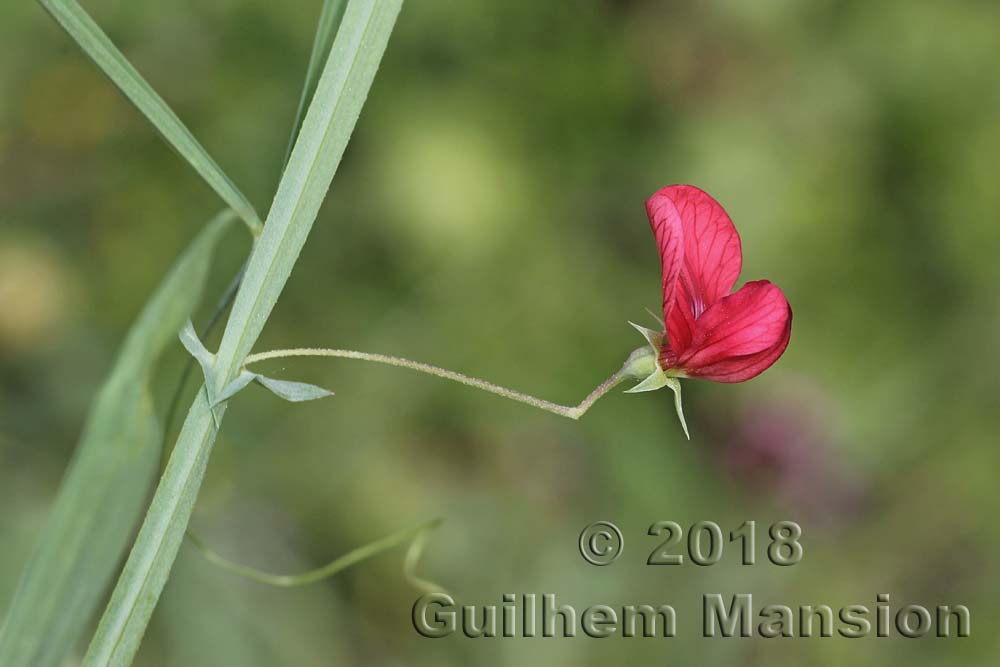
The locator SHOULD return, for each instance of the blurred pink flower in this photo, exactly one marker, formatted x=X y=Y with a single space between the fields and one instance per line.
x=779 y=446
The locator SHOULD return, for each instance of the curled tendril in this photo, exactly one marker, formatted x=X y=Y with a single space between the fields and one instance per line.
x=417 y=537
x=412 y=559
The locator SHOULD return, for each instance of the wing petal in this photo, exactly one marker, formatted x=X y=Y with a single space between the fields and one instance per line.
x=741 y=335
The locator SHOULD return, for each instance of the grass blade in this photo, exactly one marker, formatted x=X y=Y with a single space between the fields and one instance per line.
x=329 y=122
x=89 y=36
x=326 y=29
x=340 y=95
x=329 y=20
x=105 y=487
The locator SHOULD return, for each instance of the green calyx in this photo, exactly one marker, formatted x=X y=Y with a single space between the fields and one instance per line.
x=643 y=365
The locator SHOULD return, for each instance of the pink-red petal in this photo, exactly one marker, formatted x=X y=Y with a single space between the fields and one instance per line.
x=740 y=336
x=669 y=233
x=700 y=253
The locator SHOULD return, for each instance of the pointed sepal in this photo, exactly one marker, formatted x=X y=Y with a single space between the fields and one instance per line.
x=654 y=338
x=675 y=385
x=656 y=380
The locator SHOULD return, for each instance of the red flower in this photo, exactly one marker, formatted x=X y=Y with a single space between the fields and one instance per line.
x=711 y=333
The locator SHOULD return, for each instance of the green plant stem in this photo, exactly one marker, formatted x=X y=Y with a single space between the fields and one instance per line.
x=570 y=411
x=105 y=488
x=175 y=399
x=333 y=112
x=330 y=16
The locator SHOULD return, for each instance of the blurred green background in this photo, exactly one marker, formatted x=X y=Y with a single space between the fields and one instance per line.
x=488 y=217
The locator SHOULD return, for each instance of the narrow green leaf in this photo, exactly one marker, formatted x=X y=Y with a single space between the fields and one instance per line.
x=296 y=392
x=340 y=95
x=105 y=487
x=326 y=29
x=89 y=36
x=333 y=112
x=330 y=17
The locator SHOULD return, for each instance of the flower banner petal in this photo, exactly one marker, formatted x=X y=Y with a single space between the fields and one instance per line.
x=711 y=256
x=669 y=233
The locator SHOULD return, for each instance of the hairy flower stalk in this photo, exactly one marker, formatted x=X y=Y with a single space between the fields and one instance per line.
x=628 y=371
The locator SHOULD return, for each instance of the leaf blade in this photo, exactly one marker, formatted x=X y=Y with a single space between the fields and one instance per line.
x=99 y=48
x=106 y=484
x=333 y=112
x=295 y=392
x=328 y=124
x=330 y=17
